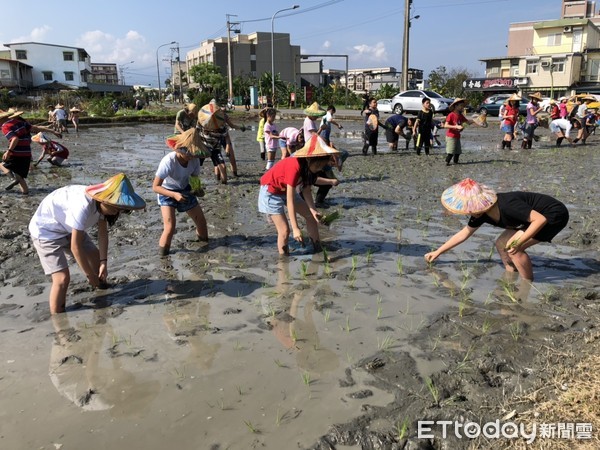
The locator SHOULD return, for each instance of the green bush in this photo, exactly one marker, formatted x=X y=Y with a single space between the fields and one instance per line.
x=101 y=107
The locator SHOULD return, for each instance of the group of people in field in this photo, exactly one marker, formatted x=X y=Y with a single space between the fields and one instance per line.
x=307 y=156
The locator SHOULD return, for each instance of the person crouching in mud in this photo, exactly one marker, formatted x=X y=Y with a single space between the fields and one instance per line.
x=279 y=189
x=527 y=217
x=59 y=226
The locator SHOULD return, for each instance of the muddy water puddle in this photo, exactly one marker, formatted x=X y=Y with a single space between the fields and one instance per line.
x=225 y=344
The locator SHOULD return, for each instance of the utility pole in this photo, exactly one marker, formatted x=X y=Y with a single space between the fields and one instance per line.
x=179 y=75
x=405 y=46
x=229 y=66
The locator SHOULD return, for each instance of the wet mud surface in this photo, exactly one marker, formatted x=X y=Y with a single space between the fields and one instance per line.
x=224 y=345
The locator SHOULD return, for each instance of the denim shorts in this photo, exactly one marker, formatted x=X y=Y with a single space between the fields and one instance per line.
x=509 y=129
x=186 y=204
x=273 y=203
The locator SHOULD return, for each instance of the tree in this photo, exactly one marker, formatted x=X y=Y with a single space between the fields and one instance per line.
x=209 y=78
x=386 y=91
x=450 y=84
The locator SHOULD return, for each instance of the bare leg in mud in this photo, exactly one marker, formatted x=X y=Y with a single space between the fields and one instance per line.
x=519 y=261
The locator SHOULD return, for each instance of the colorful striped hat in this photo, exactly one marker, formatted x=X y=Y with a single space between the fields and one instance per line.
x=315 y=110
x=468 y=197
x=40 y=138
x=118 y=192
x=211 y=117
x=314 y=148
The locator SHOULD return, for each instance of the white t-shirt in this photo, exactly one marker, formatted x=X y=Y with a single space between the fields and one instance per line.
x=176 y=177
x=561 y=124
x=62 y=211
x=309 y=125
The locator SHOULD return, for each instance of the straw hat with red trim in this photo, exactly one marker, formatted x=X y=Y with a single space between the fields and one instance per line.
x=468 y=197
x=315 y=110
x=456 y=102
x=10 y=114
x=116 y=191
x=211 y=117
x=315 y=147
x=40 y=138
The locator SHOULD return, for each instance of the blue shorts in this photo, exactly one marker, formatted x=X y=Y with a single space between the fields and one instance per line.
x=509 y=129
x=273 y=203
x=189 y=201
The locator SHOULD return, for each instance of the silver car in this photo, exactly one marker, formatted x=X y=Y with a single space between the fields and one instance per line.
x=412 y=101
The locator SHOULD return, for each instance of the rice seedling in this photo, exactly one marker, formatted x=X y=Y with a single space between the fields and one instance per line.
x=357 y=306
x=327 y=315
x=379 y=299
x=238 y=346
x=400 y=266
x=509 y=290
x=251 y=427
x=515 y=331
x=433 y=391
x=379 y=311
x=303 y=269
x=294 y=335
x=385 y=344
x=401 y=429
x=278 y=363
x=486 y=326
x=325 y=255
x=354 y=263
x=369 y=255
x=239 y=389
x=278 y=418
x=306 y=378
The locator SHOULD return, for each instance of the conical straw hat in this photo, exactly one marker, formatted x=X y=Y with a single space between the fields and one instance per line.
x=468 y=197
x=118 y=192
x=315 y=147
x=315 y=110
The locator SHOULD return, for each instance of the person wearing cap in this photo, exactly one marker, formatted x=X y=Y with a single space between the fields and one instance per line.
x=454 y=124
x=278 y=189
x=213 y=134
x=554 y=110
x=60 y=116
x=74 y=117
x=186 y=118
x=290 y=140
x=58 y=227
x=313 y=112
x=172 y=186
x=509 y=120
x=325 y=126
x=56 y=152
x=528 y=218
x=17 y=158
x=562 y=129
x=562 y=106
x=531 y=121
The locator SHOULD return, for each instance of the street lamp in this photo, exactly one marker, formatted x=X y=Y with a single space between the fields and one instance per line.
x=158 y=68
x=405 y=49
x=122 y=68
x=272 y=52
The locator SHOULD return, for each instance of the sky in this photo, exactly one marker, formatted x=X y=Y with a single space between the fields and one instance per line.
x=450 y=33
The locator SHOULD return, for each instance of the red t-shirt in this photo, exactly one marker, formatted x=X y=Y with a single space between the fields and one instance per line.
x=454 y=119
x=511 y=115
x=283 y=173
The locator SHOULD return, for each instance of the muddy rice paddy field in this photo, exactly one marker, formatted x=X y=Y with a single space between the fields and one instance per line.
x=226 y=346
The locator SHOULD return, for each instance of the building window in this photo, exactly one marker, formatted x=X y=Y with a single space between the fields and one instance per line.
x=47 y=76
x=4 y=74
x=21 y=54
x=532 y=67
x=594 y=68
x=559 y=65
x=82 y=56
x=67 y=56
x=554 y=39
x=493 y=70
x=69 y=76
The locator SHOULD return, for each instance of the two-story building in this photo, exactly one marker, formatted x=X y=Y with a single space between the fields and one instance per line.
x=556 y=57
x=67 y=65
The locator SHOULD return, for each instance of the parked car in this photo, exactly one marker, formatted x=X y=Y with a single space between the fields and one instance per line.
x=495 y=97
x=411 y=101
x=384 y=105
x=492 y=109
